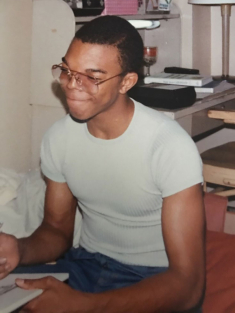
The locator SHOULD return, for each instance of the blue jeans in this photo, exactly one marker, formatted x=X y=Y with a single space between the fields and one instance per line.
x=95 y=272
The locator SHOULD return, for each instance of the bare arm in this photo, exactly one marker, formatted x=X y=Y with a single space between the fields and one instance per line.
x=182 y=285
x=54 y=236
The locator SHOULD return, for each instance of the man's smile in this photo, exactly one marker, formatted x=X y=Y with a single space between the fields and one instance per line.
x=77 y=99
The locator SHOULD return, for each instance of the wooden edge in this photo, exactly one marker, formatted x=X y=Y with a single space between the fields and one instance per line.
x=229 y=121
x=228 y=116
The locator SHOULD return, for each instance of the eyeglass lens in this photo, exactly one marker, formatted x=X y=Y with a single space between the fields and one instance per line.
x=83 y=82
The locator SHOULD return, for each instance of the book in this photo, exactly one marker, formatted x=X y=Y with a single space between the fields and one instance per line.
x=179 y=79
x=13 y=297
x=208 y=88
x=214 y=86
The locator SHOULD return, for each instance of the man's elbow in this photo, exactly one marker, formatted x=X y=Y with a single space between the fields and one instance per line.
x=195 y=294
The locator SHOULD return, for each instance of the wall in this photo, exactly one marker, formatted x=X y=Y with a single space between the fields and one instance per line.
x=34 y=35
x=186 y=33
x=216 y=41
x=50 y=40
x=15 y=111
x=201 y=31
x=167 y=38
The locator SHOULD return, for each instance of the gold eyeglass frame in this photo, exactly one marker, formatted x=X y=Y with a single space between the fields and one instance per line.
x=72 y=73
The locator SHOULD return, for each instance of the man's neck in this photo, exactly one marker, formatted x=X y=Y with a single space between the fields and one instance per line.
x=114 y=122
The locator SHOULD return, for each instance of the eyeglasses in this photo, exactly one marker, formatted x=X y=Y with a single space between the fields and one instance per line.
x=84 y=82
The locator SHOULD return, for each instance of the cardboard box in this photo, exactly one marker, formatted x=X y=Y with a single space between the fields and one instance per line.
x=120 y=7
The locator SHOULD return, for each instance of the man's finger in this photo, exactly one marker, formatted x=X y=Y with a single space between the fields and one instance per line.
x=31 y=283
x=41 y=283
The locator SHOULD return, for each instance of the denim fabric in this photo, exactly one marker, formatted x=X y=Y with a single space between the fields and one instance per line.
x=100 y=273
x=95 y=272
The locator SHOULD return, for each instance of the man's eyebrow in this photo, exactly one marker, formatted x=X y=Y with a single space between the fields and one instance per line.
x=93 y=70
x=89 y=70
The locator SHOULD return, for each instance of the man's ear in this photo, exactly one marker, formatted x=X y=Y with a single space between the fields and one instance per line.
x=129 y=80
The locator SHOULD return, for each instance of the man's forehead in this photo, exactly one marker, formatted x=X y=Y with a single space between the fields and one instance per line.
x=93 y=70
x=91 y=53
x=79 y=43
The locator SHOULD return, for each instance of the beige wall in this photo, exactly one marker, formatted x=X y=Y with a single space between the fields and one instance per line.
x=186 y=32
x=201 y=41
x=33 y=36
x=15 y=111
x=50 y=40
x=201 y=31
x=216 y=41
x=167 y=38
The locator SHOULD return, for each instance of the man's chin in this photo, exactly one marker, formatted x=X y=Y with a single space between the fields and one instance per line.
x=78 y=109
x=79 y=119
x=82 y=117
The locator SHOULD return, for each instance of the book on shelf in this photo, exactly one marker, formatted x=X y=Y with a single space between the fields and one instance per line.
x=179 y=79
x=213 y=88
x=208 y=88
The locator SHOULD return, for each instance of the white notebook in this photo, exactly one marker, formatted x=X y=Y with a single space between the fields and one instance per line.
x=178 y=79
x=13 y=297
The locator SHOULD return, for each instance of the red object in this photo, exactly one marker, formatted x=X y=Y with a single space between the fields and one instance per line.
x=216 y=207
x=220 y=273
x=120 y=7
x=150 y=51
x=220 y=259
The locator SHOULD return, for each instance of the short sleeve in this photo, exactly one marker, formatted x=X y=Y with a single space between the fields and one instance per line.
x=176 y=163
x=53 y=153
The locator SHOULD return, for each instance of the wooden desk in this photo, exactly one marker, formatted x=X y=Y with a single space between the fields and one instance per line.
x=194 y=119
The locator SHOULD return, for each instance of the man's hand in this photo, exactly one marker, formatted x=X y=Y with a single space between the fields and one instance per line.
x=9 y=254
x=57 y=297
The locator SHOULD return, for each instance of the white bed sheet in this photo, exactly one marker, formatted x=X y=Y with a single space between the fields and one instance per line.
x=24 y=210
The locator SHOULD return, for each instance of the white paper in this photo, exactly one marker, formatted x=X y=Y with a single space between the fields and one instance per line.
x=13 y=297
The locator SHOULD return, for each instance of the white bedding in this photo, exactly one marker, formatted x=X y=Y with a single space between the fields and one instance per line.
x=22 y=203
x=9 y=183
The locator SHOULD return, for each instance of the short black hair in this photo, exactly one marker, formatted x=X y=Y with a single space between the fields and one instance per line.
x=115 y=31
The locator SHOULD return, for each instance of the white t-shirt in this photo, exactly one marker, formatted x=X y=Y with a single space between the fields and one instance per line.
x=120 y=183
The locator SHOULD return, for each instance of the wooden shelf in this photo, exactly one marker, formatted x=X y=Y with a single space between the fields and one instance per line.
x=84 y=19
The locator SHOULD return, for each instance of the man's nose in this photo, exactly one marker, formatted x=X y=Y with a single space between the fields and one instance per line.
x=74 y=84
x=71 y=82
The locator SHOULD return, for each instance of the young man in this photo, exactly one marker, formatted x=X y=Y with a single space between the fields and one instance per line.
x=136 y=177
